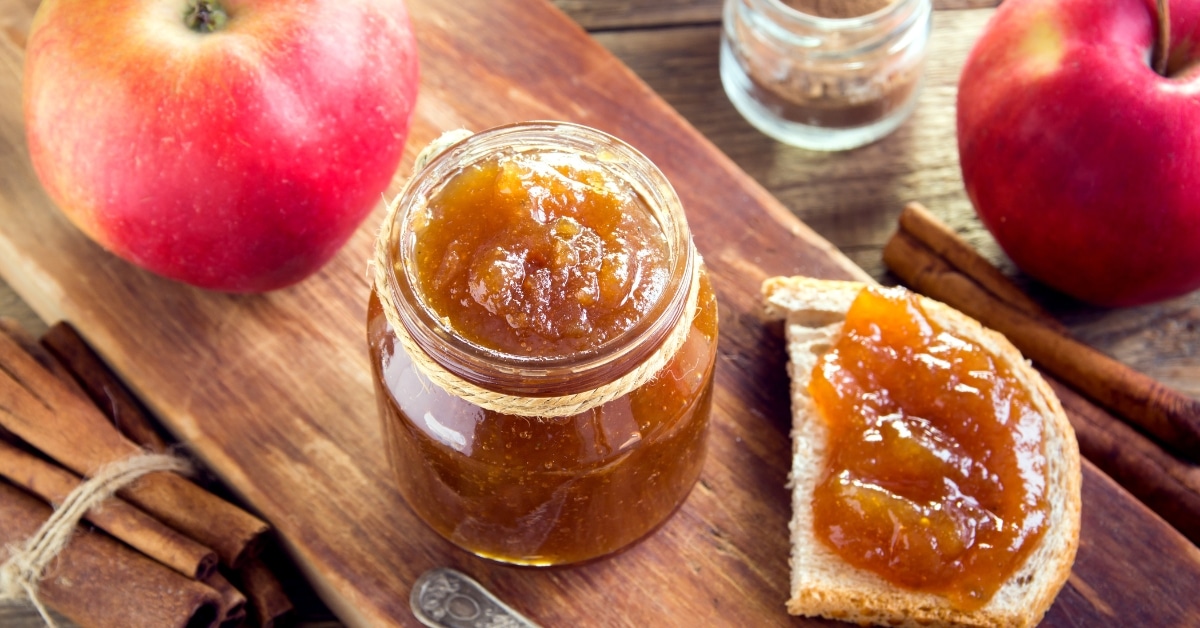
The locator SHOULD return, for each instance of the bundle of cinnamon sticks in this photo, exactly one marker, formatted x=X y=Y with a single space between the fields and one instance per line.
x=1146 y=437
x=166 y=551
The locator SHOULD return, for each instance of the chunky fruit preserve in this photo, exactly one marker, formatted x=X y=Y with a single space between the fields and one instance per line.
x=935 y=477
x=540 y=255
x=545 y=260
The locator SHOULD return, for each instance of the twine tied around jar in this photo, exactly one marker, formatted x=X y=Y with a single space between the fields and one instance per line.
x=560 y=406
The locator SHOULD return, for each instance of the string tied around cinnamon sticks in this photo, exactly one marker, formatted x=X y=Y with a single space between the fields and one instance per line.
x=21 y=573
x=556 y=406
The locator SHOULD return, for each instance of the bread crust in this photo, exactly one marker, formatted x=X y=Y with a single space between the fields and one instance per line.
x=822 y=583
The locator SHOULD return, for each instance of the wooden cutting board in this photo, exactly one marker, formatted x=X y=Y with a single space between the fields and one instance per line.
x=274 y=392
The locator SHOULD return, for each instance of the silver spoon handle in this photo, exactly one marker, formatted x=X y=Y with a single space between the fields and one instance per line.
x=445 y=598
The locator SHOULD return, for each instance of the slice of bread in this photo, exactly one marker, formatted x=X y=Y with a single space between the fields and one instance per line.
x=825 y=585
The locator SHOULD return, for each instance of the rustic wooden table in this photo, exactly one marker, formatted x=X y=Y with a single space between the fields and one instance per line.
x=851 y=198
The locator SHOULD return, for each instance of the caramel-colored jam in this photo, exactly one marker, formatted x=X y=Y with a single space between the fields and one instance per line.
x=544 y=255
x=540 y=255
x=935 y=478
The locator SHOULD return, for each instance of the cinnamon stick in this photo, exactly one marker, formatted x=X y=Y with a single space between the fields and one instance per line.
x=1169 y=416
x=80 y=583
x=17 y=333
x=233 y=602
x=42 y=411
x=79 y=363
x=268 y=600
x=1164 y=483
x=945 y=243
x=124 y=522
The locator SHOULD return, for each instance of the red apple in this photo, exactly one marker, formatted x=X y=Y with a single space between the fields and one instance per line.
x=1080 y=158
x=230 y=144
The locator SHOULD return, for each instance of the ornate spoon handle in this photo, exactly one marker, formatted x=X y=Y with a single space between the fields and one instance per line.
x=445 y=598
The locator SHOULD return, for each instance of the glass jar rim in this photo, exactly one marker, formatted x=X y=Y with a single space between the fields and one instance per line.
x=866 y=20
x=532 y=375
x=829 y=39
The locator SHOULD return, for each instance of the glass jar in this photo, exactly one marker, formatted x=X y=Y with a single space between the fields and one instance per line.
x=824 y=83
x=515 y=486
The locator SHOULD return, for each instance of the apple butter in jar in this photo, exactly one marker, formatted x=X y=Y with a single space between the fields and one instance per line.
x=543 y=336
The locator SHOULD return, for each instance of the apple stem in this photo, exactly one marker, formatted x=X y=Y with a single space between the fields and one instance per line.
x=1162 y=47
x=205 y=16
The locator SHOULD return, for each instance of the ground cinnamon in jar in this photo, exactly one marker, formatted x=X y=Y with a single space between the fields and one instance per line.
x=837 y=9
x=823 y=74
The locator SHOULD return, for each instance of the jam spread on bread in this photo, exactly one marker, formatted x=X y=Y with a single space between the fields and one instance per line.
x=935 y=473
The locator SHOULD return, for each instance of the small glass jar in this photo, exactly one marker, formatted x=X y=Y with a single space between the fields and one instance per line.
x=824 y=83
x=538 y=490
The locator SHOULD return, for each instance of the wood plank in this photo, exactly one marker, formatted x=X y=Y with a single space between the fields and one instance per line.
x=273 y=390
x=610 y=15
x=1161 y=340
x=302 y=441
x=12 y=306
x=1095 y=596
x=624 y=14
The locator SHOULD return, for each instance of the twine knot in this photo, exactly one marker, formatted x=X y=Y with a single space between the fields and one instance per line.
x=20 y=574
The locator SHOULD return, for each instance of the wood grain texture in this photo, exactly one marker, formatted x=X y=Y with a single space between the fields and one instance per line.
x=273 y=391
x=625 y=14
x=15 y=308
x=604 y=15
